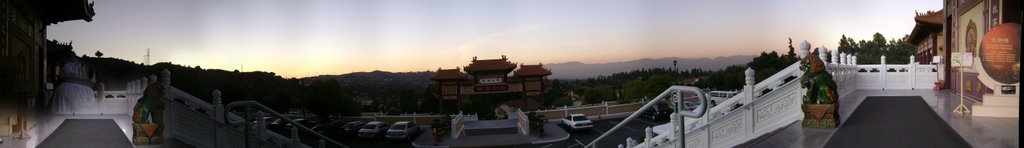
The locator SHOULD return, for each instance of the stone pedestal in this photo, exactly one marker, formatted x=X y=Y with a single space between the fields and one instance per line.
x=820 y=115
x=145 y=134
x=997 y=106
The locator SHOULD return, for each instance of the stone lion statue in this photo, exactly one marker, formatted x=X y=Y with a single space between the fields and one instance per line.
x=147 y=118
x=821 y=99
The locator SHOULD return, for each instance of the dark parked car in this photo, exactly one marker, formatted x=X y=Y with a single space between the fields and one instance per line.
x=304 y=122
x=660 y=111
x=374 y=130
x=351 y=129
x=277 y=125
x=403 y=130
x=328 y=128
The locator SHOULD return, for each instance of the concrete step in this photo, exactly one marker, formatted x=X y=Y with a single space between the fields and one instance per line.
x=996 y=111
x=993 y=100
x=492 y=131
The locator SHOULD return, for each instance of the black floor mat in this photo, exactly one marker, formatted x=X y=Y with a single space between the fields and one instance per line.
x=87 y=133
x=898 y=121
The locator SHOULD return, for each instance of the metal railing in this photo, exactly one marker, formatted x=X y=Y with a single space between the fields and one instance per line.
x=676 y=92
x=295 y=125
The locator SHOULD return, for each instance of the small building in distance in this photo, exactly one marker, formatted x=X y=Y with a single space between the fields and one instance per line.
x=491 y=76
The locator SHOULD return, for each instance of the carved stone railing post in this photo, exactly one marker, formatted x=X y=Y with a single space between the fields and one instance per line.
x=649 y=133
x=676 y=130
x=842 y=59
x=295 y=137
x=854 y=60
x=218 y=106
x=805 y=49
x=566 y=109
x=822 y=54
x=630 y=143
x=913 y=72
x=749 y=87
x=605 y=107
x=850 y=60
x=884 y=71
x=261 y=124
x=835 y=57
x=220 y=138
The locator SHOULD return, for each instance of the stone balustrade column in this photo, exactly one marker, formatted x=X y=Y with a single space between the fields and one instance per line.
x=854 y=59
x=649 y=134
x=805 y=49
x=676 y=127
x=749 y=87
x=261 y=123
x=630 y=143
x=218 y=106
x=835 y=57
x=822 y=54
x=295 y=136
x=884 y=70
x=842 y=59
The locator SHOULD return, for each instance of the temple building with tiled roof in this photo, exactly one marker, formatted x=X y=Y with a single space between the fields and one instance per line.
x=490 y=76
x=927 y=35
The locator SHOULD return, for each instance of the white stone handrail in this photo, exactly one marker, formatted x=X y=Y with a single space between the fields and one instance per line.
x=765 y=111
x=523 y=122
x=457 y=125
x=776 y=80
x=295 y=126
x=198 y=123
x=673 y=92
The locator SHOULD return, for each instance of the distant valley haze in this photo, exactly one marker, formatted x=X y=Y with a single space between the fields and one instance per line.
x=581 y=70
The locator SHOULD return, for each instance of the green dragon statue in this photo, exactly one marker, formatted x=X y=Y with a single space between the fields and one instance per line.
x=147 y=119
x=821 y=101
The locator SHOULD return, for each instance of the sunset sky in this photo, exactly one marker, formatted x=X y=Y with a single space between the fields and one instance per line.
x=306 y=38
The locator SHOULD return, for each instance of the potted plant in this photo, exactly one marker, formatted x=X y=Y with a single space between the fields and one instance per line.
x=538 y=124
x=436 y=130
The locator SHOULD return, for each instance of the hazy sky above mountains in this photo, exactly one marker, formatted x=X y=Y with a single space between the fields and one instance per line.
x=303 y=38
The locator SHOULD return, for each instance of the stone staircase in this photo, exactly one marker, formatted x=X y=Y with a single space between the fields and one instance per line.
x=491 y=127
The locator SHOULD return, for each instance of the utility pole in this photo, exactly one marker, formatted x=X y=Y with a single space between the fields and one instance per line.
x=147 y=56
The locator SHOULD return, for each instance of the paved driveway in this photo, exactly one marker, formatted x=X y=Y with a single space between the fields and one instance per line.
x=634 y=129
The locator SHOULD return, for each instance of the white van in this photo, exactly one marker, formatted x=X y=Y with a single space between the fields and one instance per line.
x=715 y=97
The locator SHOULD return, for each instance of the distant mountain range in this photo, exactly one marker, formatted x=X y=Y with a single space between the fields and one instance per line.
x=578 y=70
x=377 y=83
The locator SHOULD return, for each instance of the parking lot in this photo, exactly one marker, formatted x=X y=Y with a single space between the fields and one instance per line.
x=356 y=142
x=633 y=129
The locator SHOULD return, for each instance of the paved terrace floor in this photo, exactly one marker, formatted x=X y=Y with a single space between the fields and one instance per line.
x=978 y=131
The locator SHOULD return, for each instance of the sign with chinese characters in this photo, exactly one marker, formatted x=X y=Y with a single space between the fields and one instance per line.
x=962 y=59
x=490 y=88
x=1000 y=53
